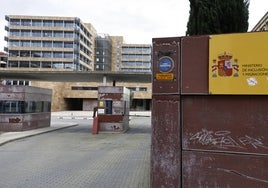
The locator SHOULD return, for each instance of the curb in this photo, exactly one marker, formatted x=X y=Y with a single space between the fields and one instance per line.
x=37 y=133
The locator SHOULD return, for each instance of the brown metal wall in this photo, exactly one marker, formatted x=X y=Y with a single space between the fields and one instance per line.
x=225 y=141
x=166 y=144
x=194 y=66
x=202 y=140
x=222 y=170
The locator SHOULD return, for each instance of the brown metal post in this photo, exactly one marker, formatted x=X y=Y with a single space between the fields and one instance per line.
x=166 y=145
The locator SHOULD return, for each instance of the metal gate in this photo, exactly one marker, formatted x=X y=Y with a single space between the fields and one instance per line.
x=201 y=139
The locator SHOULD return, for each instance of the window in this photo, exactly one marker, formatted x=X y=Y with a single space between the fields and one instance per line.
x=57 y=44
x=25 y=54
x=24 y=106
x=37 y=23
x=9 y=106
x=68 y=55
x=84 y=88
x=58 y=23
x=14 y=22
x=46 y=64
x=69 y=24
x=47 y=54
x=68 y=34
x=57 y=54
x=36 y=33
x=14 y=53
x=14 y=33
x=47 y=33
x=58 y=65
x=14 y=43
x=36 y=54
x=58 y=34
x=69 y=66
x=25 y=43
x=35 y=64
x=13 y=64
x=47 y=44
x=25 y=33
x=36 y=44
x=68 y=45
x=24 y=64
x=47 y=23
x=26 y=22
x=15 y=82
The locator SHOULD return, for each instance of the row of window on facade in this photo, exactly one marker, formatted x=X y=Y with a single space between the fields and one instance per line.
x=146 y=57
x=42 y=33
x=45 y=64
x=96 y=88
x=40 y=44
x=48 y=54
x=42 y=23
x=49 y=23
x=142 y=50
x=42 y=54
x=15 y=82
x=24 y=107
x=148 y=70
x=49 y=34
x=136 y=64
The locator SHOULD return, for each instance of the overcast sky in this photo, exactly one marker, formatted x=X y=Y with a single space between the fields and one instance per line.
x=138 y=21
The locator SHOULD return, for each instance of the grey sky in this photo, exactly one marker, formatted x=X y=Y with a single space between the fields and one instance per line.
x=138 y=21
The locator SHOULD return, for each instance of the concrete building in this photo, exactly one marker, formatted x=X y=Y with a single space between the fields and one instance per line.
x=43 y=42
x=136 y=58
x=3 y=60
x=103 y=53
x=262 y=25
x=46 y=43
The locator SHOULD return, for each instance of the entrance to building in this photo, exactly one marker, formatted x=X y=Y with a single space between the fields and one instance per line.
x=74 y=104
x=140 y=104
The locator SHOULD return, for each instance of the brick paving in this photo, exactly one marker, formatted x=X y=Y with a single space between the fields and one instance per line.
x=75 y=158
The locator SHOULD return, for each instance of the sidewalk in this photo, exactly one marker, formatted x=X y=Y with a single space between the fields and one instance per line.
x=11 y=136
x=88 y=114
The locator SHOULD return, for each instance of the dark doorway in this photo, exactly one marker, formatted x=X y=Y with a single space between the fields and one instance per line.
x=74 y=104
x=140 y=104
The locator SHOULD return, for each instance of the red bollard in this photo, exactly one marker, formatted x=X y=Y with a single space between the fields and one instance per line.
x=95 y=128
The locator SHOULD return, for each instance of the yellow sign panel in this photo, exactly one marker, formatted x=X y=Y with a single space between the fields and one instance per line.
x=164 y=76
x=238 y=63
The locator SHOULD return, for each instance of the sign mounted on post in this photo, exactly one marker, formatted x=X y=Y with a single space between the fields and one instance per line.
x=166 y=65
x=238 y=63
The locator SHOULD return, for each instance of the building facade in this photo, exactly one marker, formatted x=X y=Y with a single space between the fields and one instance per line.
x=103 y=53
x=136 y=58
x=42 y=42
x=46 y=43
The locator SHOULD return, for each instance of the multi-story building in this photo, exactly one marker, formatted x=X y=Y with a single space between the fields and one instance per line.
x=262 y=25
x=136 y=58
x=117 y=42
x=38 y=43
x=46 y=42
x=103 y=53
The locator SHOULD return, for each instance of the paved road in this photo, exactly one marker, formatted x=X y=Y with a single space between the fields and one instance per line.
x=73 y=157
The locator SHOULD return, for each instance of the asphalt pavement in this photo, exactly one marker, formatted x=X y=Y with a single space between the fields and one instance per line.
x=70 y=156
